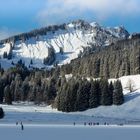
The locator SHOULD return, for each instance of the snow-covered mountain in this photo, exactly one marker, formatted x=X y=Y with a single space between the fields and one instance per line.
x=57 y=44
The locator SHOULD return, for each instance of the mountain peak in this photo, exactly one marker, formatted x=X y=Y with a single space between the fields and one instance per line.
x=58 y=43
x=94 y=24
x=80 y=23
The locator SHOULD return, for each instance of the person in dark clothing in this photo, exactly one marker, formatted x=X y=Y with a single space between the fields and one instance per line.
x=22 y=127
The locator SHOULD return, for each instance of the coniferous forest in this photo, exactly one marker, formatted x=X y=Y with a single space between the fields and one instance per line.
x=72 y=94
x=119 y=59
x=76 y=93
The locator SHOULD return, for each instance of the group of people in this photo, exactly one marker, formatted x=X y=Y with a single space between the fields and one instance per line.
x=92 y=123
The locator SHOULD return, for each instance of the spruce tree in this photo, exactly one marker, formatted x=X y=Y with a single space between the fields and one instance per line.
x=105 y=94
x=94 y=95
x=73 y=88
x=60 y=95
x=51 y=93
x=118 y=97
x=67 y=99
x=111 y=90
x=82 y=97
x=62 y=98
x=7 y=95
x=71 y=95
x=25 y=88
x=18 y=84
x=12 y=89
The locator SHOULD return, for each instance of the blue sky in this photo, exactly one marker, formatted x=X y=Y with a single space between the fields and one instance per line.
x=18 y=16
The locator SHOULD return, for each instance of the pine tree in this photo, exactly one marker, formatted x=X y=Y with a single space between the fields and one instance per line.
x=118 y=97
x=7 y=95
x=67 y=99
x=25 y=88
x=61 y=98
x=61 y=93
x=39 y=95
x=82 y=96
x=71 y=95
x=37 y=78
x=32 y=93
x=51 y=93
x=74 y=89
x=18 y=91
x=111 y=90
x=105 y=94
x=12 y=89
x=94 y=94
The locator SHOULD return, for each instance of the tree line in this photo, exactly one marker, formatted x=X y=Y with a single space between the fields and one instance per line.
x=41 y=86
x=80 y=94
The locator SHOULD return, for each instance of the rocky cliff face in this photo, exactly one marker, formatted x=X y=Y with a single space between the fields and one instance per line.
x=57 y=44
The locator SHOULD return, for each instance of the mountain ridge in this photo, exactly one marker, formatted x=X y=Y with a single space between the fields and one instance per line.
x=58 y=43
x=77 y=23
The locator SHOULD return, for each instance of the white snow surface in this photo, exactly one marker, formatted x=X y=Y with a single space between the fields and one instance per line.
x=128 y=113
x=73 y=39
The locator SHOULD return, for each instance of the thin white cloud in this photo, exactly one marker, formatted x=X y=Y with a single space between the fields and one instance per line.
x=60 y=9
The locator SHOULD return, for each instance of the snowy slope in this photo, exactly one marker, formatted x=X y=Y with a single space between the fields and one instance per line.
x=130 y=110
x=72 y=40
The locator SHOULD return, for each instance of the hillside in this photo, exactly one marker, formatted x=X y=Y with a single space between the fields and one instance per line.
x=118 y=59
x=58 y=44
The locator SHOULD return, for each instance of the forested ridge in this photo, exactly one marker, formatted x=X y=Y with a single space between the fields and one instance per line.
x=119 y=59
